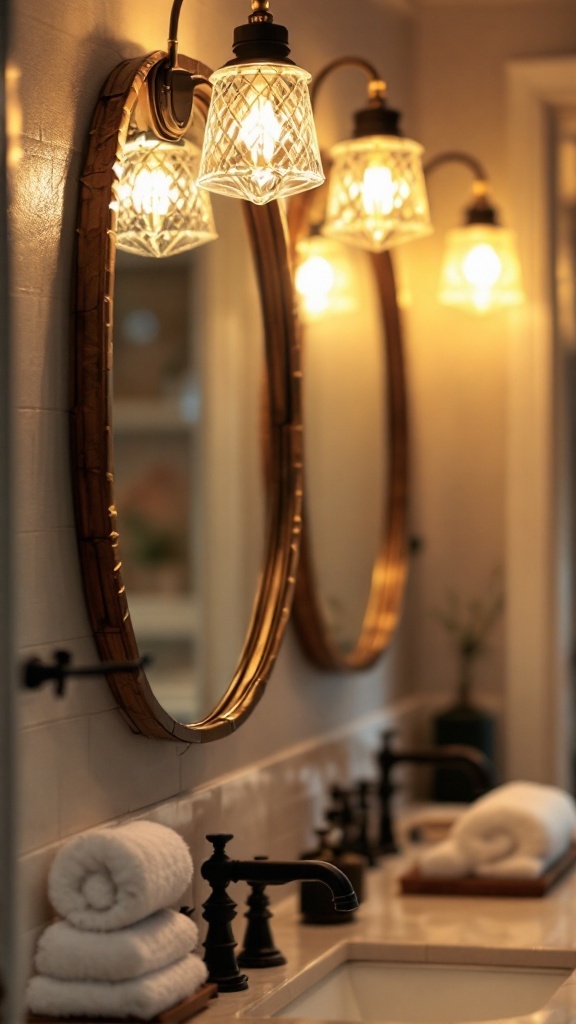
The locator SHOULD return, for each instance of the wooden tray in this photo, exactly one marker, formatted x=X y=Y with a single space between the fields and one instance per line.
x=416 y=884
x=183 y=1011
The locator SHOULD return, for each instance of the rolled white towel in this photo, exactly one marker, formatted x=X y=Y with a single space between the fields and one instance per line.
x=142 y=998
x=65 y=952
x=443 y=860
x=527 y=821
x=107 y=879
x=514 y=831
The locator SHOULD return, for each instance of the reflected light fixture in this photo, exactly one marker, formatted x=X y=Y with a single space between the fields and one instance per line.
x=161 y=212
x=321 y=280
x=376 y=187
x=480 y=268
x=260 y=139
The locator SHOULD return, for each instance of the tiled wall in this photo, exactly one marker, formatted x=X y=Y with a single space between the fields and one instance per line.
x=270 y=807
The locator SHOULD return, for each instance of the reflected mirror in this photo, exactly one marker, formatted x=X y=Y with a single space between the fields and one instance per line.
x=188 y=541
x=353 y=564
x=190 y=496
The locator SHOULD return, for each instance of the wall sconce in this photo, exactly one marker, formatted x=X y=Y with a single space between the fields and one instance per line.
x=376 y=188
x=480 y=268
x=260 y=140
x=161 y=212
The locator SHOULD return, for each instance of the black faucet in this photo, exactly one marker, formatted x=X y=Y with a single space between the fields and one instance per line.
x=466 y=758
x=219 y=910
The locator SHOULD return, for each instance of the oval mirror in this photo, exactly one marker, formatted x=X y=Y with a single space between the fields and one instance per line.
x=353 y=562
x=183 y=366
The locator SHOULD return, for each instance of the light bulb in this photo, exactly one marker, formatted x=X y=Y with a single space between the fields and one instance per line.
x=378 y=191
x=161 y=212
x=152 y=193
x=314 y=281
x=480 y=269
x=260 y=131
x=482 y=266
x=325 y=278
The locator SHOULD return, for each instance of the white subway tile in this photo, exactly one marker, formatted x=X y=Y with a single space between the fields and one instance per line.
x=38 y=788
x=49 y=577
x=42 y=470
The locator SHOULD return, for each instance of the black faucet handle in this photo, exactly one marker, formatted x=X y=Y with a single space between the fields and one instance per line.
x=219 y=840
x=388 y=736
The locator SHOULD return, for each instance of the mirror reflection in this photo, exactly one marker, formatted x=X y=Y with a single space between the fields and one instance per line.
x=353 y=562
x=347 y=442
x=187 y=415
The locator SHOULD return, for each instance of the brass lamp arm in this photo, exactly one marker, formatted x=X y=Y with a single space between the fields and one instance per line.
x=340 y=62
x=456 y=156
x=171 y=88
x=480 y=211
x=173 y=33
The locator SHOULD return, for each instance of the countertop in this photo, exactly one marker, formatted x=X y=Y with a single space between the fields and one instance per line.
x=525 y=931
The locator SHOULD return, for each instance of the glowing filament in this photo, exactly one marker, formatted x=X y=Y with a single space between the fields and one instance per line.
x=260 y=132
x=482 y=266
x=151 y=192
x=378 y=191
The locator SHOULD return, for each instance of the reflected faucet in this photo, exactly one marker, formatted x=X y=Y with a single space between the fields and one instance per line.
x=457 y=755
x=220 y=910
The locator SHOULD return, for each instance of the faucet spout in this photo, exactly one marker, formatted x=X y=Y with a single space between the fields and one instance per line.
x=466 y=758
x=219 y=910
x=278 y=872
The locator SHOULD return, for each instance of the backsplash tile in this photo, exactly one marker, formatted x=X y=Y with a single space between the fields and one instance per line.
x=271 y=808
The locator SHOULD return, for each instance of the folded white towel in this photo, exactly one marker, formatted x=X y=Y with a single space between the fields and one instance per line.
x=112 y=877
x=67 y=952
x=516 y=830
x=143 y=997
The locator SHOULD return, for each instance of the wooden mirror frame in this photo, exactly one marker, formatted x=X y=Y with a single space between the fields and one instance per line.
x=389 y=573
x=92 y=440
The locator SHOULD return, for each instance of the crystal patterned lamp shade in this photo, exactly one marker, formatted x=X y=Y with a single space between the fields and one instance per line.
x=161 y=212
x=480 y=269
x=260 y=140
x=376 y=192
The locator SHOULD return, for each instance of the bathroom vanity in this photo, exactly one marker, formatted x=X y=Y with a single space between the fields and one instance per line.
x=502 y=959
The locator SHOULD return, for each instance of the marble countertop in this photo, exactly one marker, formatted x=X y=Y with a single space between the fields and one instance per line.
x=526 y=932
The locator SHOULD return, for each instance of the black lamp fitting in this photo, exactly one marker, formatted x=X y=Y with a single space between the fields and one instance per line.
x=376 y=119
x=260 y=40
x=481 y=212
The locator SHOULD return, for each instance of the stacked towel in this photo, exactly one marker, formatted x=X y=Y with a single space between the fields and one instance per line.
x=515 y=831
x=120 y=950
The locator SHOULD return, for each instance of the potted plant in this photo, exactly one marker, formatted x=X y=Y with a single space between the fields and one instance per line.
x=468 y=625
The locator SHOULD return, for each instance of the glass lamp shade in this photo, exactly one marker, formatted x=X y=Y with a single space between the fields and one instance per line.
x=480 y=269
x=260 y=140
x=377 y=193
x=322 y=278
x=161 y=212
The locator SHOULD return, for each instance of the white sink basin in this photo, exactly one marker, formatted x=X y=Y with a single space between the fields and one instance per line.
x=358 y=982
